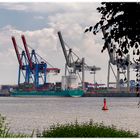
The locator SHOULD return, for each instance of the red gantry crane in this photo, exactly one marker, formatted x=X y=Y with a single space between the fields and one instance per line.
x=33 y=67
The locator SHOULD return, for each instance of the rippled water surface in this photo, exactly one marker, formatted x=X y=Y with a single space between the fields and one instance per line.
x=26 y=114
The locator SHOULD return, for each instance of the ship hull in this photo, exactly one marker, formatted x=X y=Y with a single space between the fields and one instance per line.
x=65 y=93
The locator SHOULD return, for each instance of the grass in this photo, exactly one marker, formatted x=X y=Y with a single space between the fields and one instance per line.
x=88 y=130
x=5 y=130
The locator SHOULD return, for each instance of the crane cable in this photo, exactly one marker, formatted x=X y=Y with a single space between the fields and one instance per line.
x=41 y=57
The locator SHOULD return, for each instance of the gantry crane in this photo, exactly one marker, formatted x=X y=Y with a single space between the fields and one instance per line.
x=122 y=63
x=32 y=66
x=74 y=66
x=122 y=67
x=23 y=64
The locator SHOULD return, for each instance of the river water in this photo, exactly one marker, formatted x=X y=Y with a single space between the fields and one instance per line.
x=26 y=114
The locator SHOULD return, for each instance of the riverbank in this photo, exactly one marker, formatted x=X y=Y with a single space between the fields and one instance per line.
x=70 y=130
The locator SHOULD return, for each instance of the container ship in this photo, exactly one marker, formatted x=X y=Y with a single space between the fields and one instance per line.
x=48 y=89
x=62 y=93
x=32 y=76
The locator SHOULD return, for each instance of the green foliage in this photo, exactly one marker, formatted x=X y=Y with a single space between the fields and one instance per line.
x=4 y=130
x=120 y=21
x=89 y=130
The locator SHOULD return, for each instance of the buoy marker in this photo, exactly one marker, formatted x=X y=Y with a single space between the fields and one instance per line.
x=104 y=106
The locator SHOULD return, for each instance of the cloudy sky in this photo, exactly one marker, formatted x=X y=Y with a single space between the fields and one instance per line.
x=40 y=22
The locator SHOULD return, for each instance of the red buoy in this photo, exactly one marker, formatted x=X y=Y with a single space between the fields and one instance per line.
x=105 y=106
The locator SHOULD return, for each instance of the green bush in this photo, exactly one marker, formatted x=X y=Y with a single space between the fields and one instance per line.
x=89 y=129
x=76 y=129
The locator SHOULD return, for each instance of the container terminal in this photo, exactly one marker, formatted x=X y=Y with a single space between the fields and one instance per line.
x=33 y=70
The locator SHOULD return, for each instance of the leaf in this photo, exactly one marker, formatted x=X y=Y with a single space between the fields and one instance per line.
x=138 y=52
x=90 y=28
x=98 y=8
x=126 y=63
x=139 y=59
x=133 y=52
x=131 y=43
x=94 y=32
x=96 y=26
x=126 y=51
x=106 y=35
x=101 y=22
x=102 y=51
x=111 y=50
x=104 y=47
x=136 y=45
x=109 y=39
x=86 y=30
x=125 y=79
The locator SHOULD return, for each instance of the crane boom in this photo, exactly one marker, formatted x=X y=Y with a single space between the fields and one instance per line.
x=63 y=48
x=27 y=51
x=17 y=52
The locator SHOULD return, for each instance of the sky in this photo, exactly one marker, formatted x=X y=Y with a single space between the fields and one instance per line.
x=40 y=22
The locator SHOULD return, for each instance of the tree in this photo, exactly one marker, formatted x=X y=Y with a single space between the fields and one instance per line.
x=121 y=22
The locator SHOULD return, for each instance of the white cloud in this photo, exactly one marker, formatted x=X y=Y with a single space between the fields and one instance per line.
x=46 y=42
x=71 y=19
x=50 y=7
